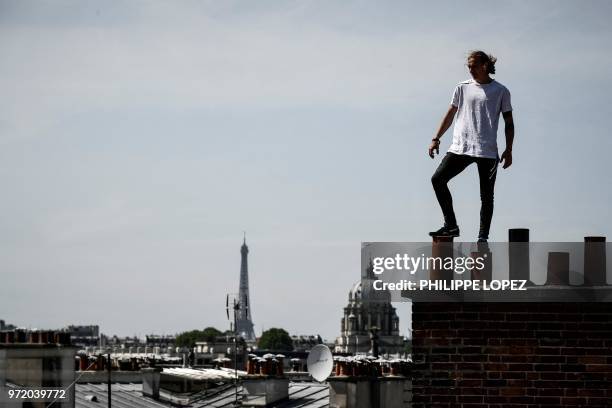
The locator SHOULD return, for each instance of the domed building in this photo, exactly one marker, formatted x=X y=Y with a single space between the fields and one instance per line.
x=369 y=310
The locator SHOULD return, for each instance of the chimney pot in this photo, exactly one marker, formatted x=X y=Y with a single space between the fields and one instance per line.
x=595 y=261
x=518 y=253
x=442 y=247
x=558 y=268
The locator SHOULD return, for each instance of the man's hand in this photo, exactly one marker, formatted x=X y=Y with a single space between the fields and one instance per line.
x=506 y=158
x=447 y=120
x=434 y=146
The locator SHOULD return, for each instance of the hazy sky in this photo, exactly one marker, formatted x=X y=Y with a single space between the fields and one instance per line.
x=138 y=139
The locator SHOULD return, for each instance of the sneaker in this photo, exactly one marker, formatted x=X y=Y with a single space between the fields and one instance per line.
x=482 y=245
x=445 y=232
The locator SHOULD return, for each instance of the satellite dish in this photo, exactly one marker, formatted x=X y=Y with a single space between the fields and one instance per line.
x=320 y=362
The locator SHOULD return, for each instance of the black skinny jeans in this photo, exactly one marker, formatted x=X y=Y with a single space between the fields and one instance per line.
x=453 y=164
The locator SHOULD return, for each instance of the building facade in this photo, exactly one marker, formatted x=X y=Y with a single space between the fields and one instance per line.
x=366 y=315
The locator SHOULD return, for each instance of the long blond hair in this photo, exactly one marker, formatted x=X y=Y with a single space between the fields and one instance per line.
x=484 y=58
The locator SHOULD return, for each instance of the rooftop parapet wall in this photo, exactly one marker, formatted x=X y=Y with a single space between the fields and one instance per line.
x=499 y=354
x=549 y=345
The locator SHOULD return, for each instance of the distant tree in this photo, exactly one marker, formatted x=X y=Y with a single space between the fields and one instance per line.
x=211 y=333
x=275 y=339
x=189 y=338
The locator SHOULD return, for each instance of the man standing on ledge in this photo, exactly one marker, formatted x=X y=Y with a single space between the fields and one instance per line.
x=475 y=106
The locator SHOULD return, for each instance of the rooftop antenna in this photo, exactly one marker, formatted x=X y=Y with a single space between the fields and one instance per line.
x=227 y=306
x=235 y=303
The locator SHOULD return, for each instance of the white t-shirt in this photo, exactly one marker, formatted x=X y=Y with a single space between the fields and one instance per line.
x=477 y=117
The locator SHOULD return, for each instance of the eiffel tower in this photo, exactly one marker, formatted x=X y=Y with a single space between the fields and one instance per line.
x=244 y=324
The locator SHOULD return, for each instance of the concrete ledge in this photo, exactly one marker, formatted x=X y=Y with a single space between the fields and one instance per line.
x=260 y=391
x=533 y=294
x=366 y=392
x=150 y=382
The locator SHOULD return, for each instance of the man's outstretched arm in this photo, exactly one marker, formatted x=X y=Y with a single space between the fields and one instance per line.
x=506 y=157
x=447 y=120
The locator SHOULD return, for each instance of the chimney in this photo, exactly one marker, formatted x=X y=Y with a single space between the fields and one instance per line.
x=518 y=253
x=558 y=268
x=20 y=336
x=150 y=382
x=442 y=247
x=370 y=383
x=34 y=337
x=595 y=261
x=270 y=386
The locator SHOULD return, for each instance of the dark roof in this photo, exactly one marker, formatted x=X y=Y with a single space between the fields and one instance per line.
x=123 y=396
x=301 y=395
